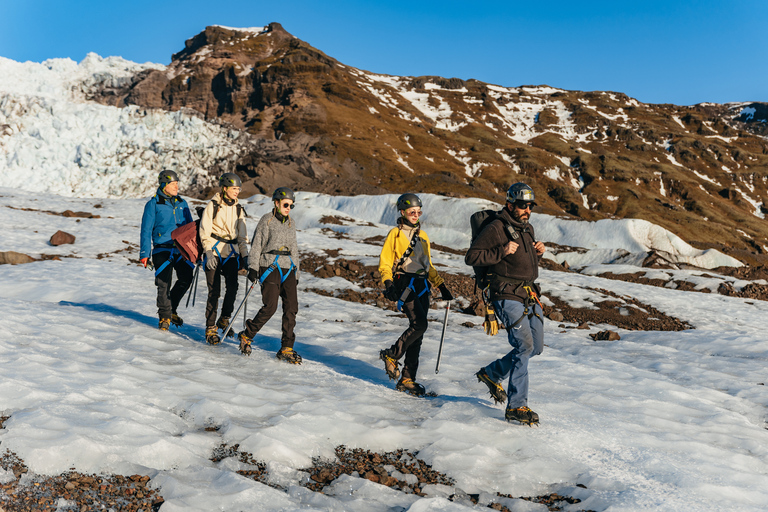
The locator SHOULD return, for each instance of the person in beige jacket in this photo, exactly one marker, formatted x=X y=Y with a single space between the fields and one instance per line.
x=225 y=242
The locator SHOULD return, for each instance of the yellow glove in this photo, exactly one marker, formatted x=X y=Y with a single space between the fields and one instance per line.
x=491 y=325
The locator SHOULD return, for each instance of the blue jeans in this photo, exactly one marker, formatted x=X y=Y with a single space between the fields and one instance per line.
x=527 y=340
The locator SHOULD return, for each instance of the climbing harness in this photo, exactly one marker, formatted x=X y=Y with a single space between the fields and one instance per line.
x=274 y=266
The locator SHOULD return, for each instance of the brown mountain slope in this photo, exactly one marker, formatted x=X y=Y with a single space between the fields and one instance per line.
x=316 y=124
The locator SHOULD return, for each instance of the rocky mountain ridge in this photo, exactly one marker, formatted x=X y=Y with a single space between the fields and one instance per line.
x=316 y=124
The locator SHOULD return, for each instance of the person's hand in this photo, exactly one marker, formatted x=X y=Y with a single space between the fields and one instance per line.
x=540 y=248
x=211 y=261
x=445 y=292
x=242 y=269
x=253 y=275
x=144 y=261
x=390 y=292
x=510 y=248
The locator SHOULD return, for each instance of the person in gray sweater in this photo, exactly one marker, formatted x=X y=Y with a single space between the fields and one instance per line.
x=274 y=262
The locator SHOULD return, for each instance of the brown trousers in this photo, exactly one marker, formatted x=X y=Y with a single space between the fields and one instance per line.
x=272 y=290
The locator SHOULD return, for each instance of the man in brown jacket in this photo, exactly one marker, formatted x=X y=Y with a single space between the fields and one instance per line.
x=508 y=247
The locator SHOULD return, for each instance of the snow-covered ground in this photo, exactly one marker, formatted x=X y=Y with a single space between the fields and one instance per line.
x=656 y=421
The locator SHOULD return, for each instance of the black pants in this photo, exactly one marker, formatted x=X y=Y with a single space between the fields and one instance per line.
x=271 y=290
x=213 y=278
x=168 y=298
x=416 y=309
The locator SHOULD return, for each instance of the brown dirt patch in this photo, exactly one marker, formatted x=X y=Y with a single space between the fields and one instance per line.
x=641 y=317
x=88 y=492
x=750 y=291
x=400 y=470
x=65 y=213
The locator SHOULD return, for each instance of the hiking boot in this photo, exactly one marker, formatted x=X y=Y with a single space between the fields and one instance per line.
x=164 y=324
x=176 y=320
x=497 y=392
x=410 y=387
x=245 y=343
x=288 y=355
x=212 y=335
x=391 y=366
x=223 y=323
x=522 y=415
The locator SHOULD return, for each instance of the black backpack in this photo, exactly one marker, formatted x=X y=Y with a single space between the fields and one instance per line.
x=478 y=221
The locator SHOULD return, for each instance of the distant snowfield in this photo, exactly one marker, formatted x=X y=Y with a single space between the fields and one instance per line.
x=656 y=421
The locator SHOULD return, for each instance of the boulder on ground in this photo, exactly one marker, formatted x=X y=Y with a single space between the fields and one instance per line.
x=605 y=335
x=61 y=238
x=14 y=258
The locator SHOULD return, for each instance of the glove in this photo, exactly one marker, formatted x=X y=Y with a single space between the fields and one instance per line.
x=253 y=275
x=445 y=292
x=144 y=261
x=491 y=324
x=390 y=292
x=210 y=260
x=243 y=263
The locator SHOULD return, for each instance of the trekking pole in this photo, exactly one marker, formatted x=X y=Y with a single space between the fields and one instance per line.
x=245 y=307
x=194 y=287
x=442 y=338
x=237 y=312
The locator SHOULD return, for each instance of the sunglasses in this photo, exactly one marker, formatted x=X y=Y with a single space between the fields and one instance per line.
x=413 y=212
x=525 y=205
x=288 y=205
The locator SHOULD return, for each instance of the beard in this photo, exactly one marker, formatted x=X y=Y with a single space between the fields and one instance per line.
x=522 y=218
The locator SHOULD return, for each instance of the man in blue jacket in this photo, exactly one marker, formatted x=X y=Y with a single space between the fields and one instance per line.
x=162 y=214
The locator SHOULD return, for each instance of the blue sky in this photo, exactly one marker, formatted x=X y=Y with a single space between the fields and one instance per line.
x=658 y=52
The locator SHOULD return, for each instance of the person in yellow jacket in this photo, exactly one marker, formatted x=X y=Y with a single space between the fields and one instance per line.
x=405 y=265
x=225 y=243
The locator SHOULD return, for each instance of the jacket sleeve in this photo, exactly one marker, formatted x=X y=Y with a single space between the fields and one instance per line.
x=432 y=274
x=242 y=234
x=488 y=247
x=206 y=227
x=147 y=225
x=259 y=240
x=387 y=256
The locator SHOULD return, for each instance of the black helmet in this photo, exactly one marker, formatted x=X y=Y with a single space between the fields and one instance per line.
x=521 y=192
x=281 y=193
x=230 y=179
x=166 y=177
x=409 y=200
